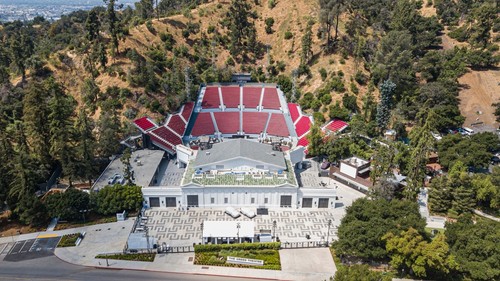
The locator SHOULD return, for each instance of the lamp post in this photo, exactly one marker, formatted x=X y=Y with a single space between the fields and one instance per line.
x=274 y=230
x=202 y=240
x=328 y=233
x=238 y=226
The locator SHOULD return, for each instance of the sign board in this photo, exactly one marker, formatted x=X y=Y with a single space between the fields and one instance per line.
x=237 y=260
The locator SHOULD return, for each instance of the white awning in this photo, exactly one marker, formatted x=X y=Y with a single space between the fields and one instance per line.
x=228 y=229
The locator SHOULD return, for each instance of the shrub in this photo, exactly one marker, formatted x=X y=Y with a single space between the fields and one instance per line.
x=148 y=257
x=323 y=73
x=360 y=78
x=244 y=246
x=68 y=240
x=149 y=26
x=271 y=4
x=210 y=29
x=288 y=35
x=354 y=88
x=269 y=25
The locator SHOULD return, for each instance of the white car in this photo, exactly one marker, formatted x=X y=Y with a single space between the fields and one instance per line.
x=247 y=212
x=113 y=178
x=437 y=136
x=232 y=212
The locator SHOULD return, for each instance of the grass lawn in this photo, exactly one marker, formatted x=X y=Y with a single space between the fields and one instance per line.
x=68 y=240
x=147 y=257
x=218 y=256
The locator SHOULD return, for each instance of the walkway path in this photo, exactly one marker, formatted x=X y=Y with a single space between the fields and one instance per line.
x=477 y=212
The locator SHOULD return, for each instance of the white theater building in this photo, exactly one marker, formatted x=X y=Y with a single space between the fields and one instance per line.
x=239 y=173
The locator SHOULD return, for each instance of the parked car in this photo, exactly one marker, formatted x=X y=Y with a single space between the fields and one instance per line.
x=232 y=212
x=437 y=136
x=247 y=212
x=495 y=160
x=113 y=178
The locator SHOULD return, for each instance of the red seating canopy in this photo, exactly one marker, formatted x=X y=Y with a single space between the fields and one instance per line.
x=177 y=124
x=144 y=123
x=251 y=96
x=294 y=111
x=303 y=126
x=186 y=111
x=271 y=99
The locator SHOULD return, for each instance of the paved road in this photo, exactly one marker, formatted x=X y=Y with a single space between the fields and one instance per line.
x=51 y=268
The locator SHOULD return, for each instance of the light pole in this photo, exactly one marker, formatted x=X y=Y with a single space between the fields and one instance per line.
x=328 y=233
x=202 y=240
x=274 y=230
x=238 y=226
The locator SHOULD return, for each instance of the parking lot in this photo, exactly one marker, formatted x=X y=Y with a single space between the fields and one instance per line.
x=183 y=228
x=29 y=249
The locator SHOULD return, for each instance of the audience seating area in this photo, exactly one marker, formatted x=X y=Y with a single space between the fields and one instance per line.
x=302 y=126
x=203 y=125
x=251 y=96
x=254 y=122
x=186 y=110
x=277 y=126
x=165 y=138
x=211 y=98
x=231 y=96
x=271 y=99
x=176 y=124
x=144 y=124
x=228 y=122
x=294 y=111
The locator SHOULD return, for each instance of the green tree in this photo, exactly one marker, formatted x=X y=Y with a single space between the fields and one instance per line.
x=306 y=52
x=330 y=11
x=118 y=198
x=68 y=204
x=113 y=23
x=86 y=146
x=127 y=168
x=409 y=251
x=384 y=107
x=367 y=221
x=475 y=247
x=358 y=272
x=108 y=134
x=241 y=28
x=315 y=138
x=22 y=48
x=62 y=134
x=35 y=117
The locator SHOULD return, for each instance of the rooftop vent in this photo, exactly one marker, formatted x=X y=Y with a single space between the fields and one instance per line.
x=208 y=152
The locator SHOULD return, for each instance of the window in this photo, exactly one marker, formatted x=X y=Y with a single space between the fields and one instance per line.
x=252 y=201
x=212 y=200
x=226 y=200
x=266 y=200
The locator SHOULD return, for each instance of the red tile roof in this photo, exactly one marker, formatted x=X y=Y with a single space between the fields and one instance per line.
x=211 y=98
x=251 y=96
x=228 y=122
x=231 y=96
x=277 y=126
x=271 y=99
x=144 y=123
x=203 y=125
x=303 y=126
x=254 y=122
x=294 y=111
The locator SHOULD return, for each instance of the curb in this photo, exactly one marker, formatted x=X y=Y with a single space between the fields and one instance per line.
x=167 y=272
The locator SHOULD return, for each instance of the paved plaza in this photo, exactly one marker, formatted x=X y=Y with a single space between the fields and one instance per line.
x=183 y=227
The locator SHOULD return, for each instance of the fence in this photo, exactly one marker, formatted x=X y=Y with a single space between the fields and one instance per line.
x=306 y=244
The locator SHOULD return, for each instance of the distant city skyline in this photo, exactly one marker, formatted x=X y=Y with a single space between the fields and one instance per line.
x=11 y=10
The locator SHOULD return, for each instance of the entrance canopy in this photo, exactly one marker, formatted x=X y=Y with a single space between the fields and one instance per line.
x=228 y=229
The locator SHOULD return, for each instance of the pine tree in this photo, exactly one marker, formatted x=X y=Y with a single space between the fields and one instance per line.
x=35 y=117
x=315 y=139
x=240 y=27
x=306 y=52
x=384 y=107
x=127 y=168
x=86 y=146
x=22 y=48
x=108 y=128
x=62 y=134
x=112 y=23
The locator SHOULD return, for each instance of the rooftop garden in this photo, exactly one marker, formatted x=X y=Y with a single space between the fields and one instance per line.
x=287 y=177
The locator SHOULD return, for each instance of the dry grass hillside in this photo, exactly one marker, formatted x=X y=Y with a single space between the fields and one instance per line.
x=288 y=16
